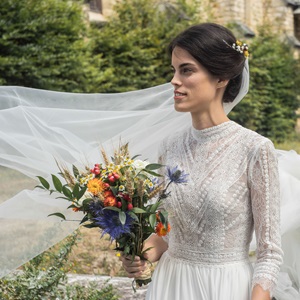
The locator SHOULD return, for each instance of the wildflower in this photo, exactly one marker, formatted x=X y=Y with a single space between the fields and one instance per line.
x=121 y=188
x=161 y=230
x=110 y=201
x=109 y=221
x=95 y=186
x=95 y=207
x=177 y=176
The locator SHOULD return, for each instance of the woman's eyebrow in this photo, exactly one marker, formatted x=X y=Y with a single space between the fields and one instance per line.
x=184 y=65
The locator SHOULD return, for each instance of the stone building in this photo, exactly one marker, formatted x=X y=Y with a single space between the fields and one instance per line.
x=246 y=14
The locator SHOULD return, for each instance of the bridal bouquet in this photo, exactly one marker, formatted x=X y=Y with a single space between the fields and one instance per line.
x=122 y=196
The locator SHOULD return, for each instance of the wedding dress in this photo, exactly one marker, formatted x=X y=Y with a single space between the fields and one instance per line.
x=39 y=128
x=233 y=187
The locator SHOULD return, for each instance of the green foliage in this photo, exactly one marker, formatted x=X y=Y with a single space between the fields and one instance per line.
x=42 y=45
x=44 y=277
x=270 y=107
x=133 y=44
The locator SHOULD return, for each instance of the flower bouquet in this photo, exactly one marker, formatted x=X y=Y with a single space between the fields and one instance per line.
x=122 y=196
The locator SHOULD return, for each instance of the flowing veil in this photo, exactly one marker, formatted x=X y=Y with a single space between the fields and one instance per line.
x=40 y=128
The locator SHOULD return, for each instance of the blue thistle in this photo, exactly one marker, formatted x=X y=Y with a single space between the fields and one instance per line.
x=177 y=176
x=109 y=221
x=96 y=208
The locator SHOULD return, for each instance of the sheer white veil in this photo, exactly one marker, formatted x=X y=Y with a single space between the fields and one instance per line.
x=41 y=127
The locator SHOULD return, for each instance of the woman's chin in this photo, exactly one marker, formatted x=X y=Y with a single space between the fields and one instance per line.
x=180 y=108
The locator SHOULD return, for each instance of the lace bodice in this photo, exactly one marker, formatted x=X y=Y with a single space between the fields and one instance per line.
x=233 y=189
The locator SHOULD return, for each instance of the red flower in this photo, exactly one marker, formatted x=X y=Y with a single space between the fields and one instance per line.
x=110 y=201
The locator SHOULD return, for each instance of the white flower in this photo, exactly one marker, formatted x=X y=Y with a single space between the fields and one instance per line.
x=140 y=164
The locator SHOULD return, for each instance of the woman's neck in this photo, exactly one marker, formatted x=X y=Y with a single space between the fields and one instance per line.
x=206 y=120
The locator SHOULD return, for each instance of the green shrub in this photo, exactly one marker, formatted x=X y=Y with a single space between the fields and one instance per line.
x=44 y=277
x=42 y=45
x=271 y=104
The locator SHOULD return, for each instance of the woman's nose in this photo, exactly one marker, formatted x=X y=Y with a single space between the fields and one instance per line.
x=175 y=80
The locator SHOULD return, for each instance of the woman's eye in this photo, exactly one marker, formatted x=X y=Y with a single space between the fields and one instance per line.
x=186 y=70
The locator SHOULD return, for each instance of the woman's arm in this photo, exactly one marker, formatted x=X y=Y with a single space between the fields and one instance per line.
x=136 y=267
x=265 y=200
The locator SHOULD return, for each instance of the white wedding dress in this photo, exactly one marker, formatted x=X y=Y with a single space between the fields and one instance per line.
x=233 y=189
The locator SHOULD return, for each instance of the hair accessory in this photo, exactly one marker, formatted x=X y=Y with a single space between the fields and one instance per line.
x=240 y=47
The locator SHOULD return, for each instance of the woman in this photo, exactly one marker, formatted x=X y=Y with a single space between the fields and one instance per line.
x=233 y=187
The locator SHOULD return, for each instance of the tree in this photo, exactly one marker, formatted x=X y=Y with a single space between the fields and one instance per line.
x=270 y=107
x=42 y=45
x=133 y=43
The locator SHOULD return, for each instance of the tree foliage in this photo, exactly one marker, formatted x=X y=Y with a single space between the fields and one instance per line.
x=42 y=45
x=270 y=107
x=133 y=44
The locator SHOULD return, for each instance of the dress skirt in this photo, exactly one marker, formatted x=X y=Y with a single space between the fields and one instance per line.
x=175 y=279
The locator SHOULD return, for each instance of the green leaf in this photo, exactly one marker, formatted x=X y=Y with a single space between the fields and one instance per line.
x=81 y=192
x=138 y=210
x=60 y=215
x=122 y=217
x=84 y=219
x=76 y=191
x=39 y=187
x=152 y=173
x=154 y=166
x=65 y=198
x=112 y=208
x=57 y=183
x=133 y=216
x=115 y=190
x=135 y=156
x=44 y=182
x=152 y=220
x=67 y=192
x=155 y=206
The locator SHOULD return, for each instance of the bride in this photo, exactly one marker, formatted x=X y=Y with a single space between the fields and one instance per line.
x=233 y=188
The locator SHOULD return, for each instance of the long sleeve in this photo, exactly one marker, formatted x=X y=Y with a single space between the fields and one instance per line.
x=265 y=199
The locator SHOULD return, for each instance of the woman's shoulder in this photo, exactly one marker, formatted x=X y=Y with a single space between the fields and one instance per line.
x=254 y=141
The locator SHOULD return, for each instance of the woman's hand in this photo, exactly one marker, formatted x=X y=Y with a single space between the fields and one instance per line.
x=134 y=268
x=258 y=293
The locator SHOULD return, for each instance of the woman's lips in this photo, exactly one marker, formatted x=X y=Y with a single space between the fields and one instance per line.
x=179 y=95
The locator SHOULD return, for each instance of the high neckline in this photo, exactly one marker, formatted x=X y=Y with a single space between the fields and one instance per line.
x=213 y=132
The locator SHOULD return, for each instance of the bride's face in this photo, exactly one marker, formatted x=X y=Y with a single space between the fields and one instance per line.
x=194 y=87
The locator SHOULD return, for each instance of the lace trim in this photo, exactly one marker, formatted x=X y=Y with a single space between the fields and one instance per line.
x=206 y=258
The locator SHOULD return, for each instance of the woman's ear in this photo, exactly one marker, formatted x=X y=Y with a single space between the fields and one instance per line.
x=222 y=83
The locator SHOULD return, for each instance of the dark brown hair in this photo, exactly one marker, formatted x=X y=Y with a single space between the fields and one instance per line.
x=210 y=44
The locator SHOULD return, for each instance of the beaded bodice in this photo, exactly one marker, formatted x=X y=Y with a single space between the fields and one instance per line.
x=233 y=188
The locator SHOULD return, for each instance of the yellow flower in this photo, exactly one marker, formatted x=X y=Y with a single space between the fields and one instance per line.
x=95 y=186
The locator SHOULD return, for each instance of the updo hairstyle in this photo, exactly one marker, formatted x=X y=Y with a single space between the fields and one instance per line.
x=210 y=44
